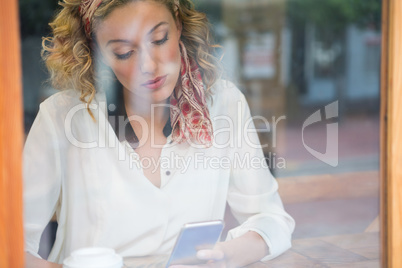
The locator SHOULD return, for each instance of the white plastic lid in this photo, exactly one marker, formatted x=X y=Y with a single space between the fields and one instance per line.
x=93 y=258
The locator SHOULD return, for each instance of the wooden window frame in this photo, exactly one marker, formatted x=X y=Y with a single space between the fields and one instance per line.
x=11 y=138
x=391 y=135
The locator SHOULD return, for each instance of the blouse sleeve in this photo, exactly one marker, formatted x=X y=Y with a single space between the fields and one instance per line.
x=41 y=177
x=253 y=196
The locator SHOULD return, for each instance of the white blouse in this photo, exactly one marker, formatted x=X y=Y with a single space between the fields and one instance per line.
x=77 y=168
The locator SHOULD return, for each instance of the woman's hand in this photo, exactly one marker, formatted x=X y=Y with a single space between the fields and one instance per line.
x=244 y=250
x=213 y=257
x=34 y=262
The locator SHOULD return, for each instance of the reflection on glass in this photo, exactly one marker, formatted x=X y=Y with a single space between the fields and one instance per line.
x=310 y=71
x=321 y=102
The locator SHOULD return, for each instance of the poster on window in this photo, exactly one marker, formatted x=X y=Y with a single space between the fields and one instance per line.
x=259 y=56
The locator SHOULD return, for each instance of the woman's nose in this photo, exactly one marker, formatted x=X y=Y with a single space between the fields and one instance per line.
x=147 y=64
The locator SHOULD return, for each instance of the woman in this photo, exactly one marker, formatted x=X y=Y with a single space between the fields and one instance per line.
x=188 y=149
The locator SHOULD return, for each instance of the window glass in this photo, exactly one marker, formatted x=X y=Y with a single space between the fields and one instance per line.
x=310 y=71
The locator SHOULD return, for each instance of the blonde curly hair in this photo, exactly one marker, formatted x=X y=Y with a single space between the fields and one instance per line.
x=69 y=55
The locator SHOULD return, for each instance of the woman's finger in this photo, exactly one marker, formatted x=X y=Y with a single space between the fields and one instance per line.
x=210 y=254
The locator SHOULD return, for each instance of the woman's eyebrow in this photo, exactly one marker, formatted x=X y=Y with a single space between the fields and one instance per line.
x=127 y=41
x=156 y=26
x=117 y=41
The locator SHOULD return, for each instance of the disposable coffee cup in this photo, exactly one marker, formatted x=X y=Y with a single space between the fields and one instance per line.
x=93 y=258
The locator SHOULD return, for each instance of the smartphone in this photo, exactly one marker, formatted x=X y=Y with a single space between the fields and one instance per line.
x=193 y=237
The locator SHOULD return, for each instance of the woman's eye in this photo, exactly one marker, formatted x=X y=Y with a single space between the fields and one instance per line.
x=162 y=41
x=123 y=56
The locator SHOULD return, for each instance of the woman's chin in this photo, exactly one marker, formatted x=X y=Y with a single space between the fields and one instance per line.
x=155 y=97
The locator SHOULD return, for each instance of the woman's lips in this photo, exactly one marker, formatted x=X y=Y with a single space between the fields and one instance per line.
x=156 y=83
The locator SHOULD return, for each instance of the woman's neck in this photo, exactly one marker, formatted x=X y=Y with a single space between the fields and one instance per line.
x=142 y=111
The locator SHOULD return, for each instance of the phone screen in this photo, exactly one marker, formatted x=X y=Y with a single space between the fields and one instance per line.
x=194 y=237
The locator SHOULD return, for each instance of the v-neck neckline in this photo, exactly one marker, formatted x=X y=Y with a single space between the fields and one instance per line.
x=129 y=135
x=122 y=144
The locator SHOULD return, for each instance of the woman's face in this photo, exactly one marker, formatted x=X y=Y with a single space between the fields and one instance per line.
x=140 y=42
